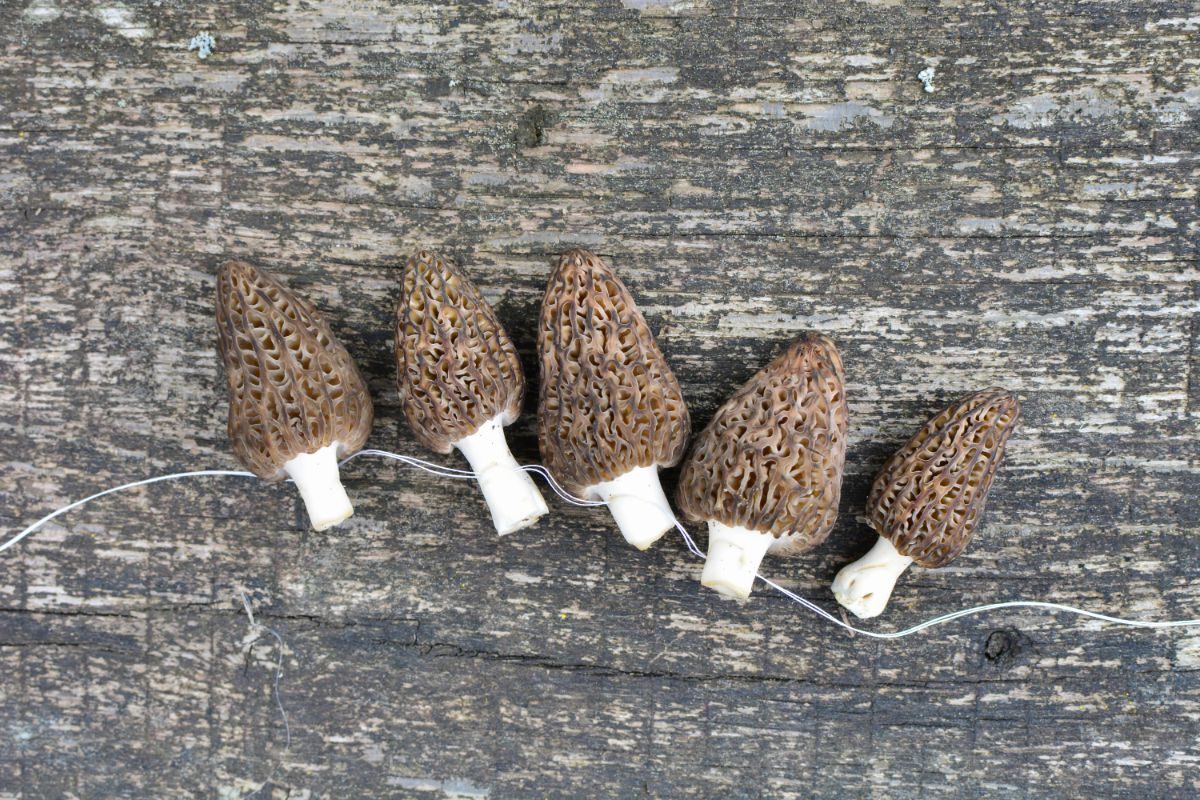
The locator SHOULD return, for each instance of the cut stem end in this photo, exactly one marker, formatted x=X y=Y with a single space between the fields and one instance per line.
x=316 y=476
x=638 y=505
x=733 y=558
x=865 y=586
x=510 y=493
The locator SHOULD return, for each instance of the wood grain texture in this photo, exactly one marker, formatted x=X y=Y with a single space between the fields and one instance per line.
x=751 y=170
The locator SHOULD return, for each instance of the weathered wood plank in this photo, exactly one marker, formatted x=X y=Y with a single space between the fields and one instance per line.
x=752 y=169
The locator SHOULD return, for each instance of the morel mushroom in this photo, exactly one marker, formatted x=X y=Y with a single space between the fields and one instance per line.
x=766 y=474
x=461 y=383
x=927 y=500
x=610 y=411
x=296 y=401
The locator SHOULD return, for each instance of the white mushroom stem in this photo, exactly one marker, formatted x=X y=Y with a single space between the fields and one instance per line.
x=865 y=586
x=316 y=476
x=509 y=491
x=733 y=558
x=638 y=505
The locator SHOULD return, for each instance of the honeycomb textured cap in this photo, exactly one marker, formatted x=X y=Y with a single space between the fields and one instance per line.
x=456 y=368
x=929 y=496
x=771 y=459
x=608 y=401
x=293 y=388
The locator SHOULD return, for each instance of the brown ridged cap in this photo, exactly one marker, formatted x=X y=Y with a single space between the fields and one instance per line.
x=456 y=368
x=929 y=496
x=608 y=402
x=771 y=459
x=292 y=387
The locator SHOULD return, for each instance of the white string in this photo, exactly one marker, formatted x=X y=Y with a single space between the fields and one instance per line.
x=462 y=474
x=427 y=466
x=172 y=477
x=811 y=606
x=944 y=618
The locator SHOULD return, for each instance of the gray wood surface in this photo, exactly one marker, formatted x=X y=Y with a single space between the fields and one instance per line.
x=752 y=169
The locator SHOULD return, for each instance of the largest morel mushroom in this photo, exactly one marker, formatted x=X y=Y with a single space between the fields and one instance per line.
x=461 y=383
x=296 y=401
x=610 y=411
x=766 y=473
x=927 y=500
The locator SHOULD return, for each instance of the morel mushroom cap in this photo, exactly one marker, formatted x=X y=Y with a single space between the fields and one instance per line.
x=927 y=500
x=460 y=382
x=296 y=401
x=766 y=473
x=610 y=411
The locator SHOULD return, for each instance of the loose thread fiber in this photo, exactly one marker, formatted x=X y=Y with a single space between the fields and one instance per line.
x=257 y=629
x=689 y=542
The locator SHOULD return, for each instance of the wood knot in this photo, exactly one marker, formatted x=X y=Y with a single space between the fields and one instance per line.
x=1004 y=646
x=531 y=129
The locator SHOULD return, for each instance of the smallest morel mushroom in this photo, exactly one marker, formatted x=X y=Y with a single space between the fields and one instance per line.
x=766 y=473
x=461 y=383
x=927 y=500
x=296 y=401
